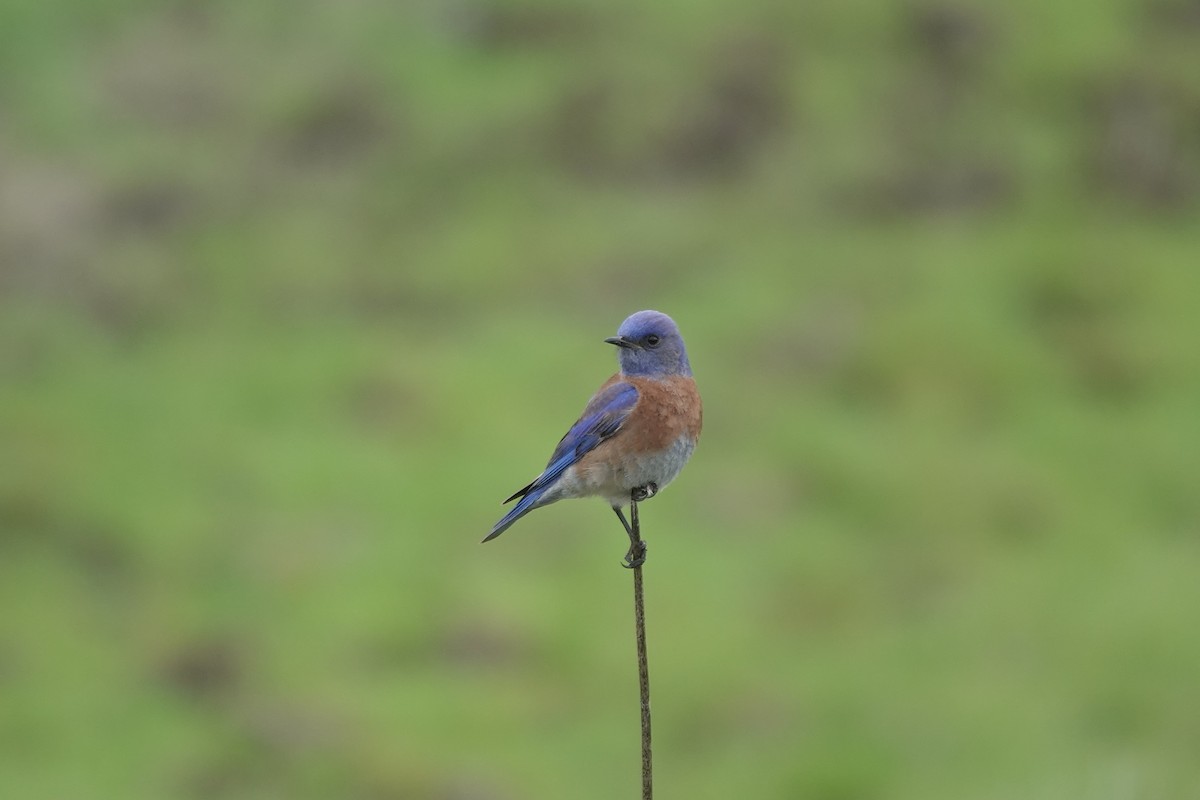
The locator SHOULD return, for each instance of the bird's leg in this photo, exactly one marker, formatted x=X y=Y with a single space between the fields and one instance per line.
x=636 y=545
x=633 y=542
x=637 y=548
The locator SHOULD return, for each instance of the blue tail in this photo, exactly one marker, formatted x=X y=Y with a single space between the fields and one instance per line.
x=602 y=418
x=528 y=503
x=532 y=492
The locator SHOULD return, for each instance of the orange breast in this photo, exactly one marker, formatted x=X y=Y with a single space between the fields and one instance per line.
x=666 y=409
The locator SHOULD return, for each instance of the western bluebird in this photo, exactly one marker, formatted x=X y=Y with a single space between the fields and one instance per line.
x=635 y=434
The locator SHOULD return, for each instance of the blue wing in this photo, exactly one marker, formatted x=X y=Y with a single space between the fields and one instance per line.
x=600 y=420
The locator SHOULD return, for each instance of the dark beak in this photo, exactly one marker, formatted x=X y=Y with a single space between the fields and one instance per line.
x=621 y=341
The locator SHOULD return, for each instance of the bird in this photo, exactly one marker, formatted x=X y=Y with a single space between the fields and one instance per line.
x=634 y=435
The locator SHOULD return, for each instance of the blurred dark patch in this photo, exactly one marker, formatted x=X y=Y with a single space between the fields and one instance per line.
x=1079 y=316
x=1175 y=16
x=602 y=131
x=54 y=222
x=929 y=187
x=29 y=520
x=128 y=316
x=931 y=119
x=24 y=518
x=1057 y=299
x=495 y=25
x=108 y=563
x=207 y=670
x=952 y=38
x=150 y=208
x=1146 y=145
x=340 y=125
x=742 y=103
x=1120 y=714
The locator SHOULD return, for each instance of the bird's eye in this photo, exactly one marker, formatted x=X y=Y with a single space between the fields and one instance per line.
x=652 y=340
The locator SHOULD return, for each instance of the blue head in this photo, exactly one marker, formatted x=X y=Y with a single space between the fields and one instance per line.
x=650 y=345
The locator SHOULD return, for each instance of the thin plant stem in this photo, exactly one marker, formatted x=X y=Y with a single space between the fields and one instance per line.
x=639 y=615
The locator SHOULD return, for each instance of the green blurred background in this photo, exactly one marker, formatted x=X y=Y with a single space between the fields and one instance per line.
x=292 y=295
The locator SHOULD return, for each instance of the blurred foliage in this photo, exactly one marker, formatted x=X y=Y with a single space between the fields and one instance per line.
x=291 y=295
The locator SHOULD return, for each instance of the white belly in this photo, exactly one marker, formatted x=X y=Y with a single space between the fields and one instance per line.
x=615 y=481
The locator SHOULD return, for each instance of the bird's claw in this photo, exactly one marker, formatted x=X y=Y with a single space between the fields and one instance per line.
x=641 y=493
x=636 y=556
